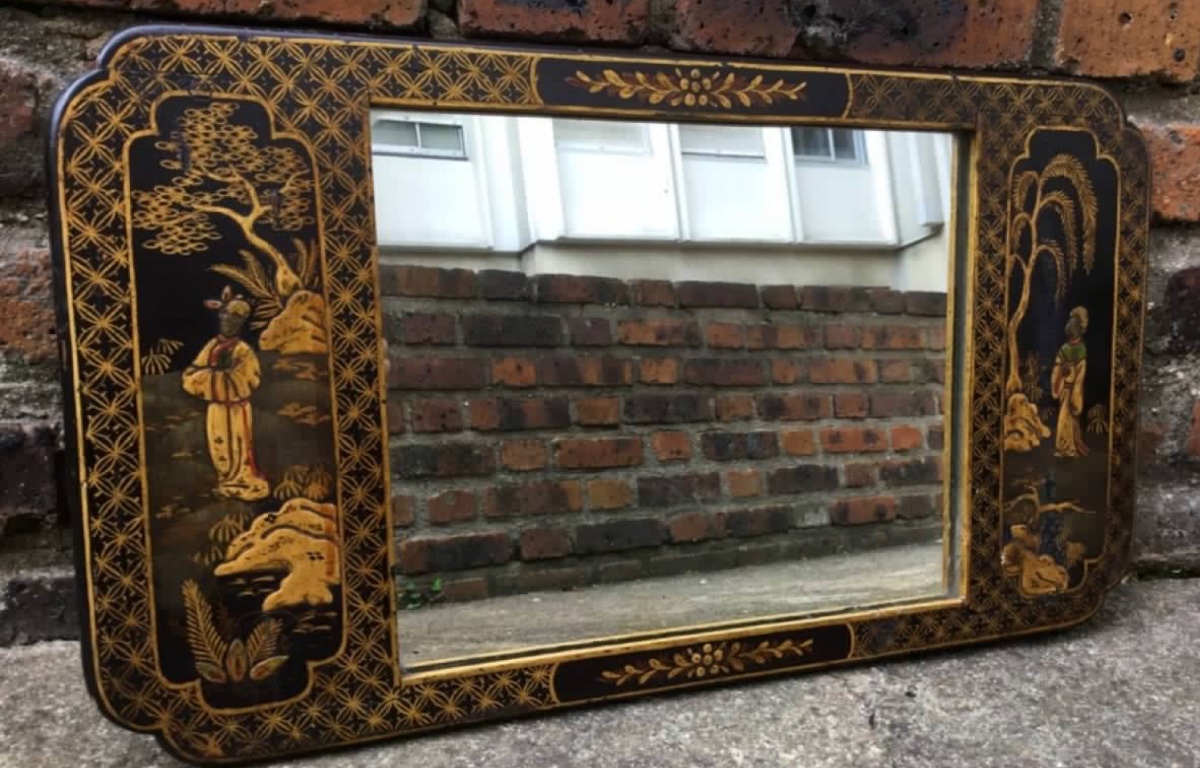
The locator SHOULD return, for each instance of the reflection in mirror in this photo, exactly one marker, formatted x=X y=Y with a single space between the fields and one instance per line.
x=650 y=376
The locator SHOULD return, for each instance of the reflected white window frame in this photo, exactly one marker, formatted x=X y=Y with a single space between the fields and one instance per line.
x=398 y=150
x=861 y=156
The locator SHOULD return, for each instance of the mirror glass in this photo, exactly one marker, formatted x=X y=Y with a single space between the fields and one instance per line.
x=646 y=377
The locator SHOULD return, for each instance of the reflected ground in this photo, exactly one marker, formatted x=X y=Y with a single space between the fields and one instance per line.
x=441 y=633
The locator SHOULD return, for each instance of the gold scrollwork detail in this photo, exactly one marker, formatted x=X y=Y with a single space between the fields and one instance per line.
x=710 y=660
x=711 y=88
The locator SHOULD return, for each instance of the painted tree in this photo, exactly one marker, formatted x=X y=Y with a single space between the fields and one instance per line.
x=226 y=171
x=1060 y=193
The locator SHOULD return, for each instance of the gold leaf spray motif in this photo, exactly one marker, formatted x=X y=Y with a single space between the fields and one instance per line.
x=712 y=88
x=220 y=662
x=710 y=660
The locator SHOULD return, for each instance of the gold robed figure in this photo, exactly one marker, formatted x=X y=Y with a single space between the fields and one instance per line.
x=1066 y=385
x=224 y=374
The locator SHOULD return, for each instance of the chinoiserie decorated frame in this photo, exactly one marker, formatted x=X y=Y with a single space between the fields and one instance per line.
x=1034 y=148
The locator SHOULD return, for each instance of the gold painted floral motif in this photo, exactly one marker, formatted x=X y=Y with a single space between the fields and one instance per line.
x=704 y=88
x=218 y=661
x=710 y=660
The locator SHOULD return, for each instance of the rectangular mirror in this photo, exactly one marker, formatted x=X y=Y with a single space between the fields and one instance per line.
x=652 y=376
x=413 y=385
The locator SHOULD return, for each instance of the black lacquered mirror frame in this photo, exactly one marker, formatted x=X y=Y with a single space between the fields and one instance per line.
x=1027 y=146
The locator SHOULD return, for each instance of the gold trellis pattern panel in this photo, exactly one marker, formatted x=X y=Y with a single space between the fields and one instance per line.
x=214 y=227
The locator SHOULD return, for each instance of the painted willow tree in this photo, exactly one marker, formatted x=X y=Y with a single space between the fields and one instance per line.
x=1053 y=223
x=225 y=170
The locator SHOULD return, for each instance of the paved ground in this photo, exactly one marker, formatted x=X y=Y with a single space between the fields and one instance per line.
x=645 y=605
x=1122 y=691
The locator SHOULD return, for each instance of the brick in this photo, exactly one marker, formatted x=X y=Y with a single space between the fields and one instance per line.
x=606 y=495
x=798 y=442
x=454 y=553
x=402 y=511
x=395 y=415
x=886 y=301
x=523 y=455
x=658 y=333
x=580 y=289
x=585 y=371
x=539 y=498
x=998 y=33
x=916 y=472
x=556 y=20
x=600 y=453
x=373 y=13
x=831 y=298
x=793 y=407
x=744 y=483
x=551 y=579
x=888 y=405
x=544 y=543
x=1105 y=38
x=436 y=373
x=723 y=372
x=444 y=460
x=802 y=478
x=499 y=285
x=653 y=293
x=851 y=405
x=598 y=411
x=906 y=438
x=678 y=489
x=739 y=446
x=1174 y=150
x=671 y=446
x=932 y=369
x=427 y=282
x=507 y=415
x=937 y=338
x=744 y=523
x=860 y=475
x=742 y=27
x=590 y=331
x=861 y=511
x=786 y=372
x=841 y=337
x=895 y=371
x=934 y=437
x=618 y=536
x=622 y=570
x=451 y=507
x=516 y=372
x=489 y=330
x=780 y=297
x=419 y=328
x=735 y=407
x=441 y=415
x=667 y=409
x=690 y=527
x=783 y=337
x=658 y=370
x=724 y=336
x=894 y=337
x=18 y=104
x=853 y=440
x=704 y=294
x=918 y=507
x=462 y=590
x=842 y=370
x=925 y=303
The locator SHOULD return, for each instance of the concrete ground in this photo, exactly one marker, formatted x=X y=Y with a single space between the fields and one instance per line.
x=834 y=582
x=1121 y=691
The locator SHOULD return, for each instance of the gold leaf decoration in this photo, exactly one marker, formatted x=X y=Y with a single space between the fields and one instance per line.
x=267 y=667
x=235 y=661
x=712 y=88
x=158 y=359
x=710 y=660
x=208 y=649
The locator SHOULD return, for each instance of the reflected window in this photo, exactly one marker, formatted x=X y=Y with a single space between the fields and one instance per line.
x=842 y=145
x=721 y=141
x=396 y=136
x=606 y=136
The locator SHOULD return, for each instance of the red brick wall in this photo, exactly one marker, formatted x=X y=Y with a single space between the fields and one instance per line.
x=1147 y=52
x=587 y=420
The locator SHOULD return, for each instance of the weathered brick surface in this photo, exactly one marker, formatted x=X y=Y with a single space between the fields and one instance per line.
x=366 y=13
x=1107 y=38
x=619 y=21
x=27 y=329
x=1175 y=160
